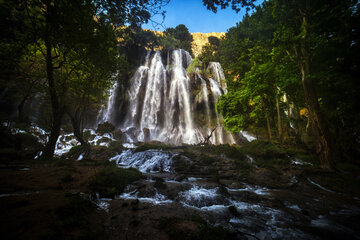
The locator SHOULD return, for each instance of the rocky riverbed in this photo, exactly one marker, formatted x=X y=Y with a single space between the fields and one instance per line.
x=138 y=191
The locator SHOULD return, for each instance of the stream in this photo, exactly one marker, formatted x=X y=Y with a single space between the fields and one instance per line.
x=258 y=211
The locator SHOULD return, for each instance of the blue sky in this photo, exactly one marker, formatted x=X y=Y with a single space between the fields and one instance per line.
x=197 y=18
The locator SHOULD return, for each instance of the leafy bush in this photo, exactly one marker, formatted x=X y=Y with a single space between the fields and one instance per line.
x=195 y=63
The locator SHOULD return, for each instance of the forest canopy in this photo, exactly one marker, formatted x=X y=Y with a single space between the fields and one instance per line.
x=292 y=69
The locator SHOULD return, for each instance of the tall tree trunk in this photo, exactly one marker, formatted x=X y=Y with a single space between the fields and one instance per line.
x=278 y=119
x=268 y=128
x=325 y=146
x=288 y=118
x=57 y=111
x=76 y=124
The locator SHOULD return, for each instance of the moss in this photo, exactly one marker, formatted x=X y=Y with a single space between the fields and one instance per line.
x=148 y=146
x=88 y=136
x=206 y=160
x=189 y=154
x=116 y=146
x=103 y=139
x=225 y=149
x=264 y=149
x=105 y=127
x=111 y=180
x=74 y=152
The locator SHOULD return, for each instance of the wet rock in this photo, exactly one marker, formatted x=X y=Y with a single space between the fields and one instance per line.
x=119 y=135
x=223 y=191
x=146 y=132
x=105 y=127
x=233 y=211
x=132 y=133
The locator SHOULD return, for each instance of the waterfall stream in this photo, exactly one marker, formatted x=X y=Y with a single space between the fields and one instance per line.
x=163 y=105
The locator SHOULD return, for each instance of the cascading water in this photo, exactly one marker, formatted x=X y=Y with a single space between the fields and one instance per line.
x=218 y=74
x=106 y=113
x=161 y=102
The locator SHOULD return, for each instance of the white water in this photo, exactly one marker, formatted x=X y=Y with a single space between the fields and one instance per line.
x=161 y=102
x=106 y=113
x=148 y=161
x=199 y=197
x=218 y=73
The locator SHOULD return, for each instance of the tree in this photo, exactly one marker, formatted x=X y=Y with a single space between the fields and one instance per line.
x=69 y=37
x=235 y=4
x=310 y=30
x=209 y=51
x=310 y=43
x=178 y=37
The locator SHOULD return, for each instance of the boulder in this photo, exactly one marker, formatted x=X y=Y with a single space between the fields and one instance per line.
x=146 y=132
x=105 y=127
x=133 y=133
x=119 y=135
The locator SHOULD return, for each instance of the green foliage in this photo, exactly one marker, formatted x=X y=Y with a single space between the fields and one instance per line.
x=209 y=52
x=111 y=181
x=147 y=146
x=169 y=43
x=194 y=64
x=105 y=127
x=116 y=146
x=177 y=38
x=264 y=149
x=262 y=58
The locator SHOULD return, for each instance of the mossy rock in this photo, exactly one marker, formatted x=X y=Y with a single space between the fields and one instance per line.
x=116 y=146
x=111 y=181
x=119 y=135
x=151 y=145
x=105 y=127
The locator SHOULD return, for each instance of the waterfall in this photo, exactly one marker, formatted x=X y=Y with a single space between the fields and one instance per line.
x=105 y=114
x=161 y=102
x=218 y=73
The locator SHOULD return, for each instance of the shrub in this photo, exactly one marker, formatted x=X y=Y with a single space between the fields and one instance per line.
x=195 y=63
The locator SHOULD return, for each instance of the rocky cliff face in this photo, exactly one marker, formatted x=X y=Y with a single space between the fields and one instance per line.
x=200 y=39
